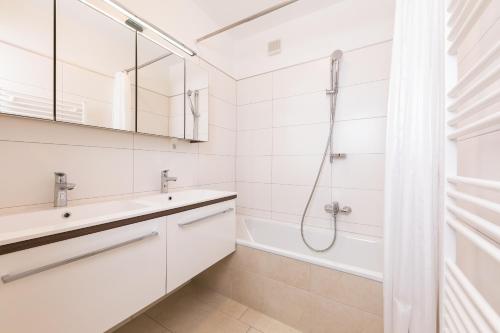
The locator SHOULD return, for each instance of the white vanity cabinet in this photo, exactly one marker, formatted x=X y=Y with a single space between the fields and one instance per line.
x=95 y=281
x=197 y=239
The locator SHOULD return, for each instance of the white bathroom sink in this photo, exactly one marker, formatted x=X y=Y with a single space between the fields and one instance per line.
x=51 y=217
x=177 y=198
x=19 y=227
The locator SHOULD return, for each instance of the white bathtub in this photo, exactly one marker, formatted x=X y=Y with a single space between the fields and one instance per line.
x=352 y=253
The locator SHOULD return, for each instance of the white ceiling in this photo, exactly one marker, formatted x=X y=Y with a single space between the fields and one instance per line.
x=225 y=12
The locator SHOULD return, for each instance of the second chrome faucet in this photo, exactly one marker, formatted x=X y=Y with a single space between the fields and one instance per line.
x=61 y=187
x=165 y=179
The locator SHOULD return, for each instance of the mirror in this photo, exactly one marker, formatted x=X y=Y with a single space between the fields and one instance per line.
x=196 y=107
x=160 y=90
x=95 y=68
x=26 y=58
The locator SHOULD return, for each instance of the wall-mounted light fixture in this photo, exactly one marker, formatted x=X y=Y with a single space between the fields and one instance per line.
x=151 y=27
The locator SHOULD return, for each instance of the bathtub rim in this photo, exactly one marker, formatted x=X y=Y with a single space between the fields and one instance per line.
x=358 y=271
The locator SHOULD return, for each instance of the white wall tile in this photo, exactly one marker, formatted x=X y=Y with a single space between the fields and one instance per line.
x=254 y=195
x=371 y=63
x=367 y=206
x=27 y=175
x=221 y=141
x=255 y=116
x=33 y=130
x=361 y=171
x=222 y=86
x=291 y=199
x=360 y=136
x=300 y=110
x=254 y=142
x=215 y=169
x=255 y=89
x=310 y=77
x=300 y=140
x=253 y=169
x=222 y=113
x=300 y=170
x=147 y=169
x=366 y=100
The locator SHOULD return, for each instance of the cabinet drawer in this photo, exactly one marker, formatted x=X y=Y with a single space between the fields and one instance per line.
x=197 y=239
x=93 y=282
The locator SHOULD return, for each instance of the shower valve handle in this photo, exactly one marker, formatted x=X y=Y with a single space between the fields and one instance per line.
x=335 y=209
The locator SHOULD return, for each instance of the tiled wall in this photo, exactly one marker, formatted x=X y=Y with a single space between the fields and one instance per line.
x=305 y=296
x=478 y=155
x=283 y=123
x=107 y=164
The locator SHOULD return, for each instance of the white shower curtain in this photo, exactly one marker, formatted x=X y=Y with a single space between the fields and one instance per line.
x=122 y=101
x=413 y=158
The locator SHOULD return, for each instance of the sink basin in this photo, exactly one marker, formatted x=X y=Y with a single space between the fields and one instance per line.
x=51 y=217
x=175 y=198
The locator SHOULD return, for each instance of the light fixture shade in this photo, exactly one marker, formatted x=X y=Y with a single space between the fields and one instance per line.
x=151 y=27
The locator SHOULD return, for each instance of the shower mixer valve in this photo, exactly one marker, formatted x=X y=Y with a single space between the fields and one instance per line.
x=335 y=209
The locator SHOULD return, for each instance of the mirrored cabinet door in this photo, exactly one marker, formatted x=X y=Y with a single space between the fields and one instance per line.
x=26 y=58
x=160 y=90
x=95 y=68
x=196 y=108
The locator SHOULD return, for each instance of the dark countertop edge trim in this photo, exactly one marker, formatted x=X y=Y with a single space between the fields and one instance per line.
x=58 y=237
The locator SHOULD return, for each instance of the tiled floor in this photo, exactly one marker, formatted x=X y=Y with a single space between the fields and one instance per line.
x=194 y=309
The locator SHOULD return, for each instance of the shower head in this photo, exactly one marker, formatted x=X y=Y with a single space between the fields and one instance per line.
x=336 y=55
x=189 y=92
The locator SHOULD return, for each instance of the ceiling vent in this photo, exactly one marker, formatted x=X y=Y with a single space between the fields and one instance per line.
x=274 y=47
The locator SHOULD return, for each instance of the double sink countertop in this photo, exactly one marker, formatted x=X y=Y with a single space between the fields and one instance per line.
x=26 y=230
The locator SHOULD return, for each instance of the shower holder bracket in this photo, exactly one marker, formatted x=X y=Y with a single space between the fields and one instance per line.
x=338 y=156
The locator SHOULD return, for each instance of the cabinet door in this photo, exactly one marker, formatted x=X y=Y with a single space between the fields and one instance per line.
x=197 y=239
x=87 y=295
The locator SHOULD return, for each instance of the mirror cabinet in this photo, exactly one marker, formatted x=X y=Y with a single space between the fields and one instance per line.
x=69 y=61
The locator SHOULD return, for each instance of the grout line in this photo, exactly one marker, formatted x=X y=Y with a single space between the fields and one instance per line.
x=302 y=155
x=317 y=59
x=65 y=144
x=314 y=92
x=319 y=186
x=315 y=123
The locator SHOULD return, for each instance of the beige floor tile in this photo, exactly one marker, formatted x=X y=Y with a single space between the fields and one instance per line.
x=219 y=302
x=218 y=277
x=265 y=324
x=374 y=325
x=217 y=322
x=142 y=324
x=253 y=330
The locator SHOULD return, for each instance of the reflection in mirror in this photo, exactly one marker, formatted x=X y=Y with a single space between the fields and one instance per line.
x=160 y=90
x=26 y=58
x=196 y=112
x=93 y=55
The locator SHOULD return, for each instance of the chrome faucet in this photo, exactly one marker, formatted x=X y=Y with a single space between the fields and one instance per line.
x=61 y=187
x=334 y=209
x=165 y=179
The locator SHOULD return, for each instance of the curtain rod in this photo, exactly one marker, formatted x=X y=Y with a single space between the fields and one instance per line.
x=247 y=19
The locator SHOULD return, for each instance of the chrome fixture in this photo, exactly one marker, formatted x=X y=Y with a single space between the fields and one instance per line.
x=165 y=179
x=145 y=24
x=194 y=111
x=17 y=276
x=61 y=187
x=333 y=208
